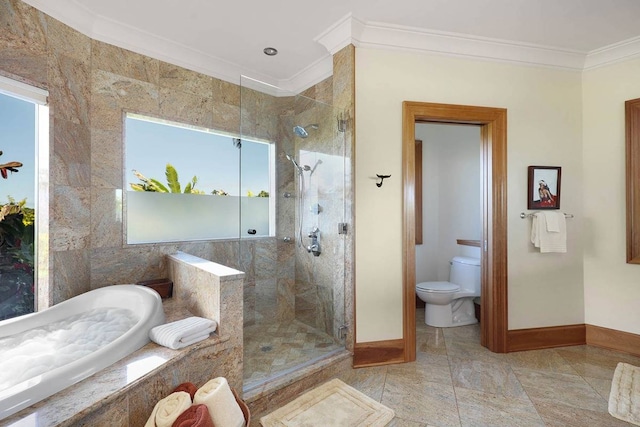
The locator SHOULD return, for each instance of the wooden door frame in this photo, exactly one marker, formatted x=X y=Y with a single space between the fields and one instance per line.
x=493 y=125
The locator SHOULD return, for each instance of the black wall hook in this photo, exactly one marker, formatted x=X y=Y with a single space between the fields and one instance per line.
x=382 y=178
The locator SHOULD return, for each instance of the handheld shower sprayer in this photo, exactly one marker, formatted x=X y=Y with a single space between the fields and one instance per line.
x=293 y=160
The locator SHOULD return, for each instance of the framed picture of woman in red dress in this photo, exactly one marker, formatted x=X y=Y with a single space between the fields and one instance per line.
x=544 y=187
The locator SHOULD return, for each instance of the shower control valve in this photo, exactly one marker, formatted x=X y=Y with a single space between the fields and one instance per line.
x=314 y=248
x=314 y=233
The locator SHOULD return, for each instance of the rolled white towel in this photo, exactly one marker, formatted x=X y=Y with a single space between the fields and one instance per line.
x=182 y=333
x=167 y=410
x=223 y=408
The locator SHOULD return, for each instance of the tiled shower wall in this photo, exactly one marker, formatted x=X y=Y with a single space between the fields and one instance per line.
x=303 y=287
x=90 y=83
x=298 y=285
x=319 y=299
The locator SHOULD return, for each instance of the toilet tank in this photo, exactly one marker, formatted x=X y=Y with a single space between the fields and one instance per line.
x=465 y=271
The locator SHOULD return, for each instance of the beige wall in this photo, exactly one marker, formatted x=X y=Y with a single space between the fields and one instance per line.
x=544 y=128
x=611 y=287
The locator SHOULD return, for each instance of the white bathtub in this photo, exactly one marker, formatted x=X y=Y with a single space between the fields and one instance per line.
x=144 y=302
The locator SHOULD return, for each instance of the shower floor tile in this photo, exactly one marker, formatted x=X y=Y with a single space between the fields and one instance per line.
x=273 y=348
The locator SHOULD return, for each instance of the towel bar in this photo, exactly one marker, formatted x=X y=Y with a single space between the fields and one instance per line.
x=524 y=215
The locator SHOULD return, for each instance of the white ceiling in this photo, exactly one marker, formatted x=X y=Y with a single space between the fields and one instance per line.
x=225 y=39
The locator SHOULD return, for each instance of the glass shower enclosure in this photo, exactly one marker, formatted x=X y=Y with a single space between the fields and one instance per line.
x=292 y=158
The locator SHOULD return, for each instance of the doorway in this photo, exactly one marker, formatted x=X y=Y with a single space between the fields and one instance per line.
x=450 y=223
x=493 y=132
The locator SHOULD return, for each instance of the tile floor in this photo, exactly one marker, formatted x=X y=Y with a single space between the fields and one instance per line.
x=456 y=382
x=274 y=348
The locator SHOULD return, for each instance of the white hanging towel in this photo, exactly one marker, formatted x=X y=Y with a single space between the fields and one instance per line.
x=543 y=238
x=553 y=220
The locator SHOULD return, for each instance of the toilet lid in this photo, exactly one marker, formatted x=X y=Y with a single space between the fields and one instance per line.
x=438 y=287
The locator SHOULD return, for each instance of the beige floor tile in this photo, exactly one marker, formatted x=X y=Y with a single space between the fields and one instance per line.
x=426 y=368
x=399 y=422
x=369 y=381
x=473 y=351
x=601 y=386
x=541 y=360
x=595 y=362
x=430 y=403
x=590 y=351
x=495 y=378
x=570 y=390
x=431 y=342
x=556 y=415
x=469 y=333
x=457 y=382
x=478 y=409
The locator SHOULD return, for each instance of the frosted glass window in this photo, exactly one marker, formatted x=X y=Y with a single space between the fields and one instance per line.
x=184 y=183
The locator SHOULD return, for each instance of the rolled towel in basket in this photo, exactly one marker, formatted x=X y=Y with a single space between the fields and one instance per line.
x=182 y=333
x=195 y=416
x=189 y=387
x=222 y=405
x=168 y=410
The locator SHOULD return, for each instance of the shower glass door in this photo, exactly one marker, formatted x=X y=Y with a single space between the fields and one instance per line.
x=293 y=176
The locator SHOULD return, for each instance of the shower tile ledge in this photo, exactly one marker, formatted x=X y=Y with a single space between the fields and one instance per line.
x=252 y=393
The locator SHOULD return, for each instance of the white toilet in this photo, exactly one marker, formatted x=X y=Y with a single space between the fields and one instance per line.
x=451 y=303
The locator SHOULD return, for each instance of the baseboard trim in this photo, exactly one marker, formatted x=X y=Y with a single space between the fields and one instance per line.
x=549 y=337
x=613 y=339
x=377 y=353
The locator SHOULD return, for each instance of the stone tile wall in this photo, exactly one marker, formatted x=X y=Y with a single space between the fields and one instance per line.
x=91 y=84
x=212 y=291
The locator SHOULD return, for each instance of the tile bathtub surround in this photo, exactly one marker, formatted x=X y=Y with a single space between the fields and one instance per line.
x=124 y=393
x=456 y=382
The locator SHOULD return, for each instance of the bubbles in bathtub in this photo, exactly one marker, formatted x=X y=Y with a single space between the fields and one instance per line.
x=35 y=351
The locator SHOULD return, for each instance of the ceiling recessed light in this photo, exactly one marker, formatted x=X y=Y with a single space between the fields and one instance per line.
x=270 y=51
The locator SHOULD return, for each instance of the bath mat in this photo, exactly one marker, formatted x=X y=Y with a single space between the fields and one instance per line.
x=624 y=400
x=332 y=404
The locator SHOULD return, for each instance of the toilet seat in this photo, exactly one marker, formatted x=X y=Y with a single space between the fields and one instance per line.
x=438 y=287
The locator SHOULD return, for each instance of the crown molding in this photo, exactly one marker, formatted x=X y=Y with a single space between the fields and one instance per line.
x=133 y=39
x=347 y=30
x=313 y=74
x=377 y=35
x=614 y=53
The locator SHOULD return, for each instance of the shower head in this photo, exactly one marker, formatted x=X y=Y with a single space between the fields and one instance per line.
x=302 y=131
